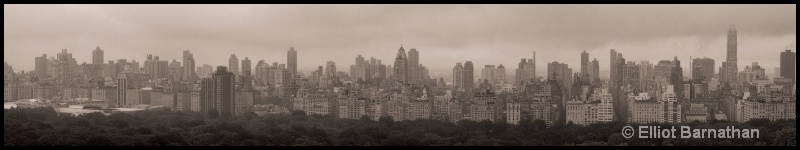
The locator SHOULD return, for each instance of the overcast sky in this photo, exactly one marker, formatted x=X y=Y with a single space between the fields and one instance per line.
x=443 y=34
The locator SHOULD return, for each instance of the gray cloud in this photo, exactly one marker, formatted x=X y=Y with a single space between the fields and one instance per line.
x=444 y=34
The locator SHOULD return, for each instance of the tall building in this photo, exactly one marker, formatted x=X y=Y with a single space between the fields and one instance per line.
x=292 y=62
x=703 y=68
x=176 y=71
x=594 y=71
x=41 y=67
x=156 y=68
x=500 y=74
x=401 y=66
x=233 y=65
x=189 y=72
x=414 y=68
x=677 y=78
x=526 y=70
x=585 y=62
x=753 y=72
x=646 y=76
x=788 y=62
x=330 y=70
x=663 y=71
x=730 y=69
x=205 y=71
x=613 y=63
x=224 y=89
x=458 y=79
x=631 y=75
x=468 y=77
x=97 y=56
x=246 y=67
x=207 y=92
x=561 y=73
x=122 y=87
x=488 y=73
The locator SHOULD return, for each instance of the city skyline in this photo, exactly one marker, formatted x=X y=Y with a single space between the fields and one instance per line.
x=763 y=33
x=399 y=75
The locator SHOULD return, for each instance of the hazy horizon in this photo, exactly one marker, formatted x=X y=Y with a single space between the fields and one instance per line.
x=443 y=34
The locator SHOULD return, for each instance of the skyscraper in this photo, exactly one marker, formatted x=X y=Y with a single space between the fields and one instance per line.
x=189 y=72
x=526 y=70
x=500 y=74
x=585 y=62
x=97 y=56
x=207 y=92
x=233 y=65
x=561 y=73
x=292 y=62
x=246 y=67
x=788 y=64
x=122 y=87
x=488 y=73
x=153 y=66
x=677 y=78
x=468 y=77
x=401 y=66
x=703 y=68
x=330 y=70
x=594 y=71
x=730 y=69
x=224 y=89
x=458 y=80
x=176 y=71
x=41 y=67
x=613 y=63
x=414 y=72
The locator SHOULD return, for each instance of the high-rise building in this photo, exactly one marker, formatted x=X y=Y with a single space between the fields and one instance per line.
x=561 y=73
x=631 y=75
x=176 y=71
x=189 y=72
x=526 y=70
x=414 y=68
x=488 y=73
x=788 y=62
x=468 y=77
x=41 y=67
x=401 y=66
x=594 y=71
x=233 y=65
x=585 y=62
x=292 y=62
x=207 y=92
x=500 y=74
x=646 y=76
x=330 y=70
x=703 y=69
x=246 y=67
x=205 y=71
x=156 y=68
x=677 y=78
x=122 y=87
x=458 y=79
x=730 y=69
x=663 y=71
x=224 y=89
x=97 y=56
x=752 y=72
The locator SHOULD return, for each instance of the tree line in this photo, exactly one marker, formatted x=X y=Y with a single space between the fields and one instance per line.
x=44 y=127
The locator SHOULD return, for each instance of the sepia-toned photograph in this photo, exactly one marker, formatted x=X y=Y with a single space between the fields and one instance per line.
x=399 y=75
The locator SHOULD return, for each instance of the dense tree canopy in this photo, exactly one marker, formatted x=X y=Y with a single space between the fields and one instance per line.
x=44 y=127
